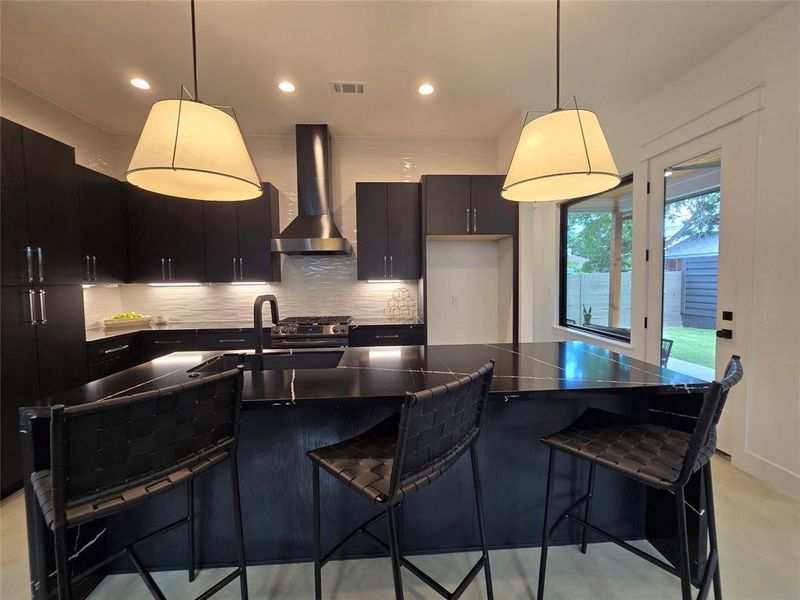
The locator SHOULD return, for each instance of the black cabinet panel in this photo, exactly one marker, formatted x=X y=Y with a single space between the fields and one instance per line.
x=13 y=207
x=258 y=222
x=232 y=340
x=491 y=213
x=221 y=241
x=19 y=383
x=447 y=204
x=103 y=226
x=387 y=335
x=403 y=230
x=53 y=216
x=61 y=340
x=145 y=258
x=372 y=230
x=159 y=343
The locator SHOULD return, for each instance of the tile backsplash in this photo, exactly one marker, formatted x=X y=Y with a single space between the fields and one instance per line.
x=310 y=284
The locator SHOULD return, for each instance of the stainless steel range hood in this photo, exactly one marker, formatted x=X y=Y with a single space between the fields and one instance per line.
x=313 y=230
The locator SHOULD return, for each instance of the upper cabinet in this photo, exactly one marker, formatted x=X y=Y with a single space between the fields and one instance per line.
x=237 y=239
x=103 y=226
x=388 y=228
x=38 y=214
x=166 y=238
x=467 y=205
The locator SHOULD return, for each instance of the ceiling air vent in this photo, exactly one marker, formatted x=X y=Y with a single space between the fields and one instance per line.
x=347 y=87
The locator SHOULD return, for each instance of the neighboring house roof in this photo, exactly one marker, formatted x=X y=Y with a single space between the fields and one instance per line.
x=707 y=246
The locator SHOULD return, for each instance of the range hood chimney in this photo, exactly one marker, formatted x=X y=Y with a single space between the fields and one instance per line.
x=313 y=230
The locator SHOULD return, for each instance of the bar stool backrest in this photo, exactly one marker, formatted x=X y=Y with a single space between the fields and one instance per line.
x=100 y=449
x=437 y=426
x=703 y=442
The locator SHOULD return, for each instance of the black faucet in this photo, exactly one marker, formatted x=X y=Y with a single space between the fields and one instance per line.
x=258 y=319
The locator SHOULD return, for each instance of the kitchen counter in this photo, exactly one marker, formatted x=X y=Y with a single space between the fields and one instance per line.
x=538 y=388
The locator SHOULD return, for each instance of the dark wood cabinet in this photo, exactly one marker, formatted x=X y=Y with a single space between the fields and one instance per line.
x=467 y=205
x=238 y=236
x=112 y=355
x=388 y=335
x=225 y=340
x=103 y=226
x=159 y=343
x=447 y=204
x=491 y=213
x=40 y=242
x=388 y=228
x=166 y=237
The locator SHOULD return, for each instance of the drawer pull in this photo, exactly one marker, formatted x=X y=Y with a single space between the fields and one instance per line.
x=167 y=342
x=387 y=337
x=223 y=341
x=117 y=349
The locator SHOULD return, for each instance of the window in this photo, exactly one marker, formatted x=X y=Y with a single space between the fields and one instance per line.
x=596 y=235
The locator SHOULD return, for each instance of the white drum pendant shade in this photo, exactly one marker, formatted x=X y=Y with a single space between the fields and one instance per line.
x=193 y=150
x=560 y=156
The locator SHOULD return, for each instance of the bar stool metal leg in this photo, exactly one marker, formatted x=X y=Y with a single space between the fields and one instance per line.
x=190 y=526
x=683 y=546
x=317 y=550
x=394 y=550
x=712 y=529
x=476 y=480
x=237 y=514
x=62 y=563
x=587 y=508
x=545 y=524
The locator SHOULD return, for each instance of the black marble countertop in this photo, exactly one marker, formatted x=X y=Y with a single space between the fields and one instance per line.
x=95 y=334
x=390 y=371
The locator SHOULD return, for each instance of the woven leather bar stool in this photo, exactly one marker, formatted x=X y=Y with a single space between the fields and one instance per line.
x=400 y=456
x=110 y=455
x=656 y=456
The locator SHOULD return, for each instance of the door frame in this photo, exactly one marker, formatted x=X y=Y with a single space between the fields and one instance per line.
x=737 y=141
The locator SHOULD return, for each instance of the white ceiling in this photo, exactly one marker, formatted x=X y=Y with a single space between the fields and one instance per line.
x=488 y=60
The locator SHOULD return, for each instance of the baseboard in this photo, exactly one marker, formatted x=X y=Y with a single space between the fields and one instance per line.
x=768 y=472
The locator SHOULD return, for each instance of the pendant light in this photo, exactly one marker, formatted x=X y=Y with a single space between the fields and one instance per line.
x=193 y=150
x=560 y=155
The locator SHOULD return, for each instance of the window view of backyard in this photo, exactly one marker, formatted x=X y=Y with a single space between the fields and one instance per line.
x=691 y=252
x=598 y=235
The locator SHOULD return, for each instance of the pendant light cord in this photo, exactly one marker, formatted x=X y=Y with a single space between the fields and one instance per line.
x=558 y=53
x=194 y=55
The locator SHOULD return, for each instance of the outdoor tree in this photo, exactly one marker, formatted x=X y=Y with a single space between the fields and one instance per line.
x=589 y=235
x=699 y=216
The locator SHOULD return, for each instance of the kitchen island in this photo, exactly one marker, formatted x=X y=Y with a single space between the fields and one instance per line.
x=313 y=398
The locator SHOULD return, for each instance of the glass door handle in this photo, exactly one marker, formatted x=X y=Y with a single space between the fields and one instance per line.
x=726 y=334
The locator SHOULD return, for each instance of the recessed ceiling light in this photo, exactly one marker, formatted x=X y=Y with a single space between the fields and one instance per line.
x=286 y=86
x=140 y=83
x=668 y=173
x=426 y=89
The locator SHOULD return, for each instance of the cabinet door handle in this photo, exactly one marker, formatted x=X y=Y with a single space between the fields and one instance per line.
x=169 y=268
x=387 y=337
x=88 y=271
x=241 y=268
x=468 y=223
x=42 y=308
x=163 y=269
x=391 y=266
x=29 y=262
x=94 y=268
x=167 y=342
x=117 y=349
x=224 y=341
x=32 y=308
x=39 y=254
x=234 y=269
x=474 y=220
x=385 y=275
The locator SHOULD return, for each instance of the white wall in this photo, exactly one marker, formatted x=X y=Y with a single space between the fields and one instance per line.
x=767 y=55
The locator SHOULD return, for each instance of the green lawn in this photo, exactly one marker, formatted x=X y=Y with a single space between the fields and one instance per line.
x=693 y=345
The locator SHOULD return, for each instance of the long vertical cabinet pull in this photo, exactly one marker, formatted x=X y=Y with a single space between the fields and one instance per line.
x=468 y=223
x=169 y=266
x=234 y=269
x=88 y=258
x=241 y=268
x=385 y=272
x=41 y=264
x=163 y=269
x=474 y=220
x=32 y=308
x=42 y=309
x=391 y=266
x=29 y=262
x=94 y=268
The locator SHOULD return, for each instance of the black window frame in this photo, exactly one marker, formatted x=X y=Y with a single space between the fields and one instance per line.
x=562 y=269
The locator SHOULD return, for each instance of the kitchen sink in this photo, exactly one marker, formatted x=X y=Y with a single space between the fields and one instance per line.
x=294 y=359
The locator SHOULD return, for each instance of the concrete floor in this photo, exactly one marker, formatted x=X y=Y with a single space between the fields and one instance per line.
x=759 y=531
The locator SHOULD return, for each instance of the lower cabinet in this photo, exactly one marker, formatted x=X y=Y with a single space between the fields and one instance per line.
x=159 y=343
x=387 y=335
x=106 y=357
x=232 y=340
